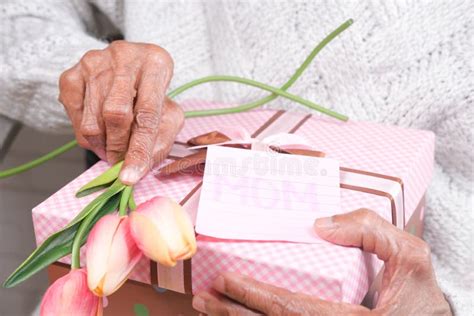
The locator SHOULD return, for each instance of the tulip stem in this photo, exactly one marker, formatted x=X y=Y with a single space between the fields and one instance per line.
x=76 y=244
x=124 y=199
x=273 y=96
x=131 y=202
x=246 y=107
x=30 y=165
x=82 y=232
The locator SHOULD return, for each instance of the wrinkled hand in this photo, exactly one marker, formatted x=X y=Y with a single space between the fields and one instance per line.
x=117 y=104
x=408 y=288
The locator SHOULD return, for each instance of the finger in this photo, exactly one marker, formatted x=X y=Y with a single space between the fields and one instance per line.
x=71 y=95
x=92 y=125
x=216 y=305
x=251 y=293
x=139 y=158
x=364 y=229
x=118 y=114
x=171 y=123
x=272 y=300
x=172 y=120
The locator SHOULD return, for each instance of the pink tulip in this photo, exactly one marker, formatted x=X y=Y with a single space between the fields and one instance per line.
x=111 y=254
x=163 y=231
x=69 y=296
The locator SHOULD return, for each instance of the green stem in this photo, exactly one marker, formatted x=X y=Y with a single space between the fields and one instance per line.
x=131 y=202
x=83 y=229
x=246 y=107
x=29 y=165
x=80 y=234
x=124 y=200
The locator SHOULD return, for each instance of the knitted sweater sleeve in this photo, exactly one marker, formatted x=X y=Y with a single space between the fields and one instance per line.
x=41 y=39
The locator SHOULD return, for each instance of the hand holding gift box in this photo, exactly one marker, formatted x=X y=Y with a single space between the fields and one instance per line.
x=407 y=269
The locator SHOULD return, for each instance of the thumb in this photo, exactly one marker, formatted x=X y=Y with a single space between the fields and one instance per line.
x=363 y=229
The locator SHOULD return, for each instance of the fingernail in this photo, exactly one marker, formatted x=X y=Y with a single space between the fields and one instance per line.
x=130 y=175
x=199 y=304
x=219 y=284
x=324 y=222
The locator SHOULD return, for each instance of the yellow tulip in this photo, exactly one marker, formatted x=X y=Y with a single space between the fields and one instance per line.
x=163 y=231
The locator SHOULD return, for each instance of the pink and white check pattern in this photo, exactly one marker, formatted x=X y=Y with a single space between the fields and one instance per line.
x=327 y=271
x=399 y=152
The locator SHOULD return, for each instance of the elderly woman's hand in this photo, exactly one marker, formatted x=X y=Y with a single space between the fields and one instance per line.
x=116 y=100
x=409 y=285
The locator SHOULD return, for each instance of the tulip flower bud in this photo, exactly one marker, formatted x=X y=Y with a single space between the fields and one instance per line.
x=163 y=231
x=70 y=296
x=111 y=254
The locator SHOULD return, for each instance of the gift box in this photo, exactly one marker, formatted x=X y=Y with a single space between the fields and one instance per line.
x=383 y=168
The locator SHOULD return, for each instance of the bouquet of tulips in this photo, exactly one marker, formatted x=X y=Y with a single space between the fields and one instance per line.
x=159 y=229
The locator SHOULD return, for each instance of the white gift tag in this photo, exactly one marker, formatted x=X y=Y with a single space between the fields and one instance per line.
x=258 y=195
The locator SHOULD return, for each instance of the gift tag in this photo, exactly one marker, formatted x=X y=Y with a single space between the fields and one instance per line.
x=263 y=195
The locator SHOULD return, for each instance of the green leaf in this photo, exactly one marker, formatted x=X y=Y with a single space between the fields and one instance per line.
x=102 y=181
x=86 y=192
x=115 y=188
x=59 y=244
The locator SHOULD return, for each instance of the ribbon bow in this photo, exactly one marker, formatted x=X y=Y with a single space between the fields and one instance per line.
x=238 y=137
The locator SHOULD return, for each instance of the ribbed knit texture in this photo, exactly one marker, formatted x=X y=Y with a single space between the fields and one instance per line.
x=408 y=63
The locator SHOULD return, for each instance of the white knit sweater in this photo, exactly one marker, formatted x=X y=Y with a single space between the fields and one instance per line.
x=408 y=63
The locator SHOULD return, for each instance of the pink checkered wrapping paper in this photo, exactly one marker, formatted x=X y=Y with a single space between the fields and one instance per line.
x=327 y=271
